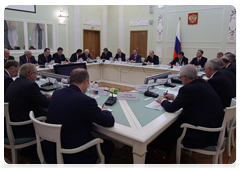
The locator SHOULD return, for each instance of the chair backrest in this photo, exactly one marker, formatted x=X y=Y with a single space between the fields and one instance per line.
x=230 y=115
x=48 y=132
x=160 y=61
x=8 y=126
x=233 y=102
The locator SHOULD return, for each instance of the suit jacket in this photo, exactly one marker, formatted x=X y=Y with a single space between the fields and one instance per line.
x=202 y=61
x=232 y=67
x=58 y=58
x=154 y=60
x=201 y=107
x=23 y=96
x=23 y=60
x=228 y=73
x=42 y=59
x=7 y=80
x=9 y=58
x=109 y=54
x=138 y=58
x=122 y=56
x=76 y=120
x=74 y=57
x=223 y=87
x=176 y=59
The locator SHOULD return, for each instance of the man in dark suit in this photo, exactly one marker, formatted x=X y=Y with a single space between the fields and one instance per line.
x=181 y=59
x=229 y=65
x=201 y=107
x=28 y=58
x=219 y=82
x=219 y=54
x=199 y=60
x=7 y=56
x=23 y=96
x=76 y=120
x=152 y=58
x=59 y=56
x=45 y=57
x=106 y=54
x=135 y=57
x=11 y=68
x=228 y=73
x=120 y=54
x=76 y=56
x=232 y=59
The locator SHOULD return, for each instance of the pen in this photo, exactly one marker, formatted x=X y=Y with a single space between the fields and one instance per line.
x=166 y=92
x=103 y=105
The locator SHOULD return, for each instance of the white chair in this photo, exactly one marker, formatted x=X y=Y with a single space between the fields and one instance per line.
x=216 y=151
x=12 y=143
x=142 y=59
x=231 y=127
x=52 y=132
x=160 y=61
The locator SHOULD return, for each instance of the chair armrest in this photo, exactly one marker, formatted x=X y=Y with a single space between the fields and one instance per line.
x=43 y=118
x=186 y=125
x=83 y=147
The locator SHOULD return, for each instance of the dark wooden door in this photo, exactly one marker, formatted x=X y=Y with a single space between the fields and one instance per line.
x=91 y=41
x=138 y=40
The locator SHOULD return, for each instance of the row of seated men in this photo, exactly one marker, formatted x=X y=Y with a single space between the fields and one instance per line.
x=202 y=102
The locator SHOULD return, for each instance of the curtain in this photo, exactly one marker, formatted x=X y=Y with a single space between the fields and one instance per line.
x=6 y=41
x=12 y=33
x=38 y=36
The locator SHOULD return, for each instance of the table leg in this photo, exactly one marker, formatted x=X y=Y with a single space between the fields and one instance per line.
x=139 y=153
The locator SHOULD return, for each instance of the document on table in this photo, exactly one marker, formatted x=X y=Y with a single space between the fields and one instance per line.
x=154 y=105
x=174 y=90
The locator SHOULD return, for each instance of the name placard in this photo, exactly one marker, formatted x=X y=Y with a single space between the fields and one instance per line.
x=107 y=61
x=127 y=96
x=141 y=87
x=103 y=91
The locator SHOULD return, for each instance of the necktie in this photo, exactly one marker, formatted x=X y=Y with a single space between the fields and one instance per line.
x=198 y=61
x=134 y=57
x=46 y=59
x=28 y=60
x=59 y=57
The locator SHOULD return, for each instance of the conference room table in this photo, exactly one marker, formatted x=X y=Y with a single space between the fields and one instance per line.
x=135 y=125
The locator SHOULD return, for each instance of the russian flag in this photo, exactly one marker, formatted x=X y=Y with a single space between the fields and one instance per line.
x=177 y=47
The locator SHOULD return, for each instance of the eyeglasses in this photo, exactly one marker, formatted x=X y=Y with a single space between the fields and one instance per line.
x=182 y=76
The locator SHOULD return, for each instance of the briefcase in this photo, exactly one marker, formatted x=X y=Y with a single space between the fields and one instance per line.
x=155 y=158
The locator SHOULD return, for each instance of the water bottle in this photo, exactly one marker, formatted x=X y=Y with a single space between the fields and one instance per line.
x=119 y=59
x=38 y=76
x=53 y=61
x=97 y=57
x=183 y=64
x=95 y=90
x=153 y=87
x=110 y=59
x=81 y=60
x=177 y=64
x=149 y=84
x=91 y=89
x=63 y=81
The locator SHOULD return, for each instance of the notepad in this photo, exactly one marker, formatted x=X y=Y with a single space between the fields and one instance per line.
x=154 y=105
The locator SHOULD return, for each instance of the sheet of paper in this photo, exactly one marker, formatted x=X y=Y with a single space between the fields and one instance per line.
x=105 y=109
x=154 y=105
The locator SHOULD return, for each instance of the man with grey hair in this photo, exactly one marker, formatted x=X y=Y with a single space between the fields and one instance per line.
x=219 y=82
x=228 y=73
x=120 y=54
x=7 y=56
x=11 y=68
x=77 y=115
x=201 y=107
x=86 y=55
x=28 y=58
x=232 y=59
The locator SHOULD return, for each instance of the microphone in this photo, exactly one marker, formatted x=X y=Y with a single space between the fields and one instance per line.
x=169 y=84
x=150 y=94
x=111 y=100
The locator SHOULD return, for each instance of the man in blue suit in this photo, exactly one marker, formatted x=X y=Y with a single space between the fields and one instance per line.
x=135 y=57
x=28 y=58
x=45 y=57
x=201 y=107
x=219 y=82
x=59 y=56
x=152 y=59
x=11 y=68
x=199 y=60
x=77 y=115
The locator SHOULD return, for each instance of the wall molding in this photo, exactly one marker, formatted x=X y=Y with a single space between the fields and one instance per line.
x=160 y=19
x=66 y=54
x=159 y=51
x=139 y=22
x=196 y=10
x=121 y=27
x=104 y=27
x=90 y=21
x=77 y=26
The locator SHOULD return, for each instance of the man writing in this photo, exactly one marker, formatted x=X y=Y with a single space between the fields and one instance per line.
x=181 y=59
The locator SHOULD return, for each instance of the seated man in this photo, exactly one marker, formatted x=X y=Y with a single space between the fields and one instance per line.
x=76 y=120
x=152 y=58
x=11 y=68
x=199 y=60
x=86 y=55
x=7 y=56
x=23 y=96
x=229 y=65
x=181 y=59
x=106 y=54
x=219 y=82
x=28 y=58
x=201 y=107
x=76 y=56
x=219 y=54
x=120 y=54
x=59 y=56
x=228 y=73
x=45 y=57
x=232 y=59
x=135 y=57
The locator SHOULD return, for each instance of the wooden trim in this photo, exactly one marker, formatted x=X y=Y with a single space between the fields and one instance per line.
x=99 y=39
x=131 y=43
